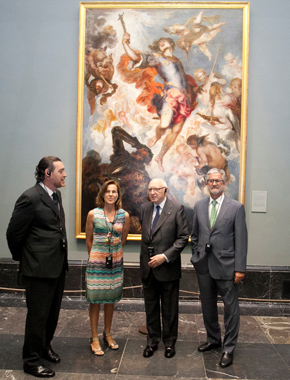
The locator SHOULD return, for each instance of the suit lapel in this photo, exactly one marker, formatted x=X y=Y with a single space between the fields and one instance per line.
x=222 y=212
x=61 y=210
x=148 y=218
x=205 y=212
x=164 y=215
x=47 y=200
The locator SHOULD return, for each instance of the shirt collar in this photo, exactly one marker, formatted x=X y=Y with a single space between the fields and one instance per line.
x=47 y=189
x=219 y=200
x=161 y=205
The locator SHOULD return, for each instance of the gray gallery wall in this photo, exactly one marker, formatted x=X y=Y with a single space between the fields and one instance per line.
x=38 y=84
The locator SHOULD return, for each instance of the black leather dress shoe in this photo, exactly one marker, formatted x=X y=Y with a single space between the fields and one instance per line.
x=208 y=346
x=149 y=351
x=226 y=359
x=51 y=356
x=169 y=352
x=39 y=371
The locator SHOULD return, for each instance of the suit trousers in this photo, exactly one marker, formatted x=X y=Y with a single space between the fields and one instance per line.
x=168 y=293
x=43 y=300
x=228 y=290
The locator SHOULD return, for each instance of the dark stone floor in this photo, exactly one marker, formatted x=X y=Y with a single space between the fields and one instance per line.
x=263 y=350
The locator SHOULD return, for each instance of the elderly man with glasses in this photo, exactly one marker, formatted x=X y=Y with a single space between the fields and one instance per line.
x=164 y=235
x=219 y=253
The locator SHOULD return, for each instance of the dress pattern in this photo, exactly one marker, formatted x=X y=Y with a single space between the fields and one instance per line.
x=105 y=285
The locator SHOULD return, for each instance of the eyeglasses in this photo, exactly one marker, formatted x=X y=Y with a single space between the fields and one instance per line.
x=155 y=189
x=218 y=181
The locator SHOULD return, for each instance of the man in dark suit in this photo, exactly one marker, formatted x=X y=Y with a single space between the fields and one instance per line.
x=219 y=252
x=37 y=238
x=164 y=235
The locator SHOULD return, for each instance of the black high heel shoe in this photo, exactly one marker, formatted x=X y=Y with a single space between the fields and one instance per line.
x=112 y=346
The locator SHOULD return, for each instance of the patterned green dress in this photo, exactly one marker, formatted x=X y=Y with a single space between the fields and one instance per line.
x=105 y=285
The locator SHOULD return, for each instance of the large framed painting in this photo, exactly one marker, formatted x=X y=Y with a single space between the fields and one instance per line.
x=162 y=92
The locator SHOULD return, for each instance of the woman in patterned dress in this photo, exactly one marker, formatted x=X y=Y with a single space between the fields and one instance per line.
x=107 y=228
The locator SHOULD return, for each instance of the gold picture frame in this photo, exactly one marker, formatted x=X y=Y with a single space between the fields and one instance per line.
x=124 y=87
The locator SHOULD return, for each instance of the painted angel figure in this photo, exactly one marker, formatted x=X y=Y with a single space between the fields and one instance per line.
x=184 y=165
x=233 y=68
x=222 y=112
x=205 y=81
x=208 y=155
x=173 y=101
x=99 y=73
x=195 y=33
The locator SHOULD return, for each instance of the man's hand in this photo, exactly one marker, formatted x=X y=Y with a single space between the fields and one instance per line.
x=239 y=276
x=156 y=260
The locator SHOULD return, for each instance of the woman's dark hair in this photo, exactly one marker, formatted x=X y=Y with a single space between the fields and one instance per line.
x=100 y=197
x=45 y=163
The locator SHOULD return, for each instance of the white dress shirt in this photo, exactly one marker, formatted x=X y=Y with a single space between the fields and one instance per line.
x=47 y=189
x=219 y=201
x=161 y=205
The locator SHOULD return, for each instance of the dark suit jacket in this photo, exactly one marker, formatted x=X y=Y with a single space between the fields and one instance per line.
x=228 y=238
x=34 y=233
x=170 y=237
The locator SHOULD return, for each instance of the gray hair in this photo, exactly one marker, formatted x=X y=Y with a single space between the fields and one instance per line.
x=216 y=170
x=163 y=183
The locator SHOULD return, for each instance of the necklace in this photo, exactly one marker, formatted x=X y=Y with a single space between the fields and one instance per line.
x=109 y=231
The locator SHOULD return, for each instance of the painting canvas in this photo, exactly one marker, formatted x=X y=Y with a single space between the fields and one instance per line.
x=162 y=92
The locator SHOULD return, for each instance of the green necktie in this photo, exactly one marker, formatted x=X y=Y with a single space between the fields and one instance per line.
x=213 y=214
